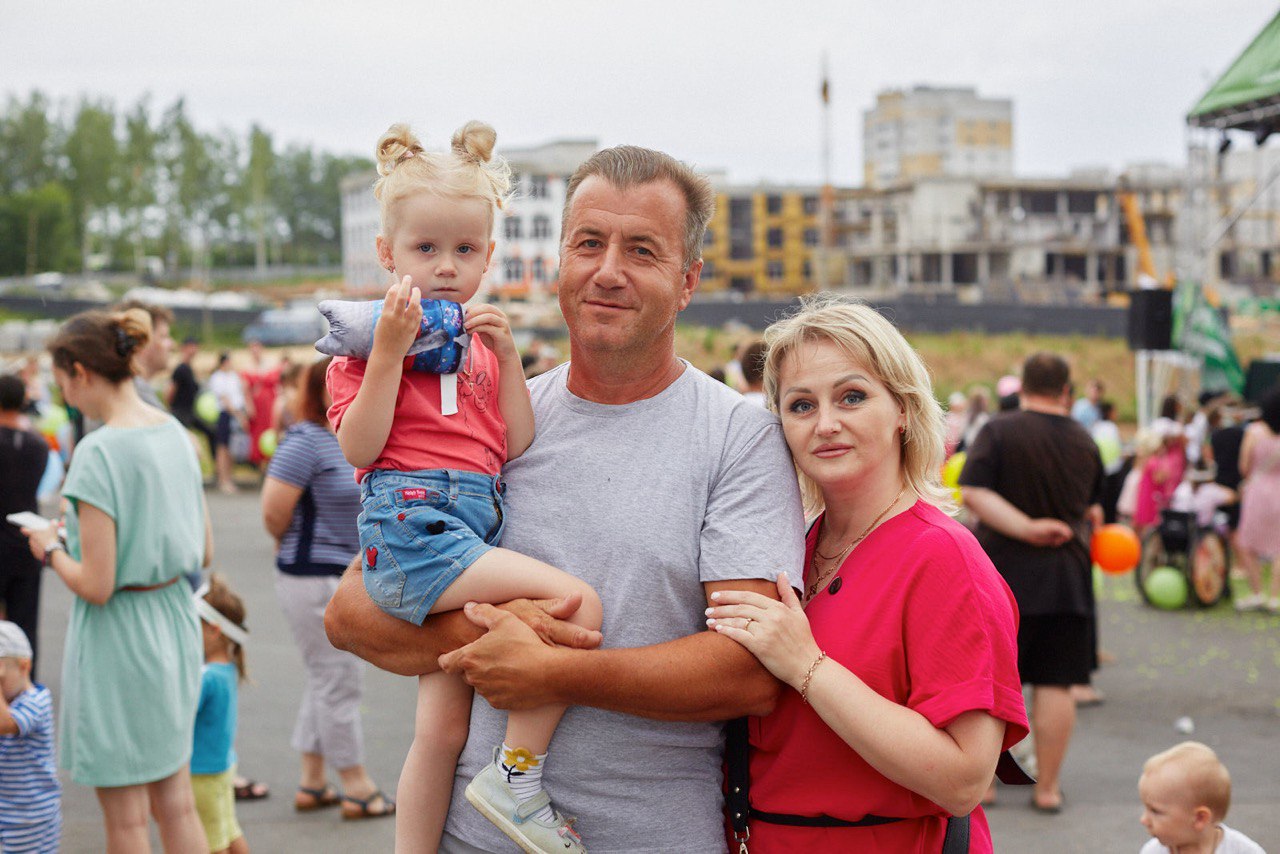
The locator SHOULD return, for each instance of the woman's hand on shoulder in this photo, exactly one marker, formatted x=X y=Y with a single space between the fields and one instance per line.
x=401 y=319
x=775 y=632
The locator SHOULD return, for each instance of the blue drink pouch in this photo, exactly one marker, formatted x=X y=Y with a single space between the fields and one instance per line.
x=440 y=348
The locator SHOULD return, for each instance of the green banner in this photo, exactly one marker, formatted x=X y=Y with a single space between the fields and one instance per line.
x=1200 y=330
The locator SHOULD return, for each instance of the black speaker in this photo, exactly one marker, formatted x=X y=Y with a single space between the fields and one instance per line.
x=1150 y=319
x=1263 y=376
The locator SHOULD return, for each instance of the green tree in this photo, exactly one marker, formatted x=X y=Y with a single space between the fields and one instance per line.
x=37 y=231
x=92 y=155
x=259 y=176
x=194 y=185
x=29 y=143
x=138 y=176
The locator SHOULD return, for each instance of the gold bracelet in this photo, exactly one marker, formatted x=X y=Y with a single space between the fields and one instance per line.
x=808 y=677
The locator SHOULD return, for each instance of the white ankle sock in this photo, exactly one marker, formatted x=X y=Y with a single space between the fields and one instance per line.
x=523 y=772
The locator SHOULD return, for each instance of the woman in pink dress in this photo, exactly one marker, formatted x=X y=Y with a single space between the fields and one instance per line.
x=1259 y=534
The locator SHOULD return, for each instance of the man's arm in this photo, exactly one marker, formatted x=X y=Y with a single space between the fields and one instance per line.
x=702 y=677
x=996 y=512
x=355 y=624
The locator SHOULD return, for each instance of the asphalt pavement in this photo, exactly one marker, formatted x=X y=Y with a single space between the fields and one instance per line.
x=1219 y=669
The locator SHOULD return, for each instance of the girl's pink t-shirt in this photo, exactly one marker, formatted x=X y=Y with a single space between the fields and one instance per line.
x=422 y=438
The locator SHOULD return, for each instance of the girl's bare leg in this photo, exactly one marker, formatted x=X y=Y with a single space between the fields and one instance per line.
x=426 y=780
x=501 y=575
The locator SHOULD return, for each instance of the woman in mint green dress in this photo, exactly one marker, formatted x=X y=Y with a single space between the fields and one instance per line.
x=136 y=525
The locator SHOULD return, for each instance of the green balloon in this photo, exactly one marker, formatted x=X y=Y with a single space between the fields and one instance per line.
x=52 y=421
x=1099 y=582
x=267 y=442
x=1167 y=588
x=207 y=407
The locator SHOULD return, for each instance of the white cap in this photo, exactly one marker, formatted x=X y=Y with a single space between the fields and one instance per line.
x=1166 y=428
x=13 y=641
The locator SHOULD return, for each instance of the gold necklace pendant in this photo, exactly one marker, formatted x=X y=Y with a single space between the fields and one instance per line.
x=820 y=581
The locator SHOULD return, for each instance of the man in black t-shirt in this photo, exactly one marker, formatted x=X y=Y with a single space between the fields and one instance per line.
x=184 y=389
x=23 y=457
x=1034 y=479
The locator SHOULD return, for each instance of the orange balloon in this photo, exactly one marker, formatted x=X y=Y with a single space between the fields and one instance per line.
x=1116 y=549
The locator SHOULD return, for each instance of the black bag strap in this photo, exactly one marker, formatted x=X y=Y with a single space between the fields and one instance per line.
x=737 y=776
x=737 y=753
x=957 y=839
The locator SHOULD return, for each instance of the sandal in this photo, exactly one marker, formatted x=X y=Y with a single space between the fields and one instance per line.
x=252 y=790
x=354 y=809
x=1048 y=809
x=310 y=800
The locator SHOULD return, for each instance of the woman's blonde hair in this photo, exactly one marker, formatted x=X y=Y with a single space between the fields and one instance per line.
x=867 y=337
x=468 y=170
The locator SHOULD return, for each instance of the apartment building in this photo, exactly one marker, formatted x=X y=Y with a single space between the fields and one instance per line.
x=361 y=222
x=526 y=259
x=932 y=132
x=1036 y=239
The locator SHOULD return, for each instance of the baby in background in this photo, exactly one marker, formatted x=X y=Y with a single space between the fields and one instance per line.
x=1185 y=793
x=30 y=797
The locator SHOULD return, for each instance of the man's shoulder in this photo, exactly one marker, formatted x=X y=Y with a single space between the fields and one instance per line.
x=729 y=421
x=31 y=442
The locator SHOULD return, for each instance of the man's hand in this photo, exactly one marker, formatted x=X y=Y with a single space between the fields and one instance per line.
x=547 y=618
x=506 y=664
x=353 y=623
x=1047 y=533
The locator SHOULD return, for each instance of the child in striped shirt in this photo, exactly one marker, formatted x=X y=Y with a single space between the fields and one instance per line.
x=30 y=798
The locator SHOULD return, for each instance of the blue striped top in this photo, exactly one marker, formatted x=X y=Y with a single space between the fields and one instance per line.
x=29 y=791
x=323 y=531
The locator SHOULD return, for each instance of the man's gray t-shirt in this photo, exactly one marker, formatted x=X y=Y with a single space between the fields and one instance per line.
x=645 y=501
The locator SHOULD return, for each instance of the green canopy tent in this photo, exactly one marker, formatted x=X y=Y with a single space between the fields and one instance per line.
x=1247 y=96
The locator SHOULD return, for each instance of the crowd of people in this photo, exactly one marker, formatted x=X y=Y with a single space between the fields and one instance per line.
x=589 y=573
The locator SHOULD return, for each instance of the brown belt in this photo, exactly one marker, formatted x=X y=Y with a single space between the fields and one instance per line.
x=143 y=588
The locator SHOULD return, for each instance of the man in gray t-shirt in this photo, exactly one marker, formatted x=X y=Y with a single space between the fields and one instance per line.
x=152 y=359
x=656 y=485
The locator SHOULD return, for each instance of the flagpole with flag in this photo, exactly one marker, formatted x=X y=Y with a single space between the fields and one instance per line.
x=825 y=202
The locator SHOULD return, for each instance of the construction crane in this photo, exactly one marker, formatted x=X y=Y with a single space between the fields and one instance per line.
x=1138 y=234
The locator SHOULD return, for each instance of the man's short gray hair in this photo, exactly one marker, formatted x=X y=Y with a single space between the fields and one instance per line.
x=626 y=166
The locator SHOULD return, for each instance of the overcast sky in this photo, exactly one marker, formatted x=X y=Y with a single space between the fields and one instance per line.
x=725 y=85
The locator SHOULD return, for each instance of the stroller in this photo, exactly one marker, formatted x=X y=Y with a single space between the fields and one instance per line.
x=1197 y=550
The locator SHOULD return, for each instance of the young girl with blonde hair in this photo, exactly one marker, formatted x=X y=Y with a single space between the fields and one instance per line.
x=428 y=449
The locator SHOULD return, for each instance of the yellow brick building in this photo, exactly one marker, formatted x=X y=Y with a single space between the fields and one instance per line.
x=763 y=240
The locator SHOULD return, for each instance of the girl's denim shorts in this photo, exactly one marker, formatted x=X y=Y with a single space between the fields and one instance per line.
x=420 y=530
